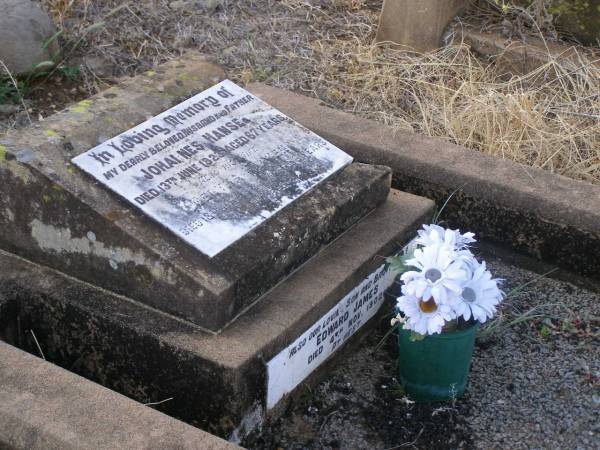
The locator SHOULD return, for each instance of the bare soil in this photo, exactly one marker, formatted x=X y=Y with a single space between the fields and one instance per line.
x=252 y=39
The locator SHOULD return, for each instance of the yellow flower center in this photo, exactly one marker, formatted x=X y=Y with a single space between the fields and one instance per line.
x=428 y=306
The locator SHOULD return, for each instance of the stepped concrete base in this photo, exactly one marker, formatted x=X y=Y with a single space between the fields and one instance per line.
x=54 y=214
x=216 y=382
x=44 y=407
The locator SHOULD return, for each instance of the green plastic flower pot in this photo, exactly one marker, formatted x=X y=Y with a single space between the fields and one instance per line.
x=436 y=368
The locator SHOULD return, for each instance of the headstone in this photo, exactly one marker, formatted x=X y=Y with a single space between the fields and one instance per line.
x=229 y=382
x=214 y=167
x=196 y=208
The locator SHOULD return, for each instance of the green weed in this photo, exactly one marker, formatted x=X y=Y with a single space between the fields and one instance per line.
x=9 y=93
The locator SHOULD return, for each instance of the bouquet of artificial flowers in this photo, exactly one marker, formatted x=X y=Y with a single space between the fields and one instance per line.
x=444 y=285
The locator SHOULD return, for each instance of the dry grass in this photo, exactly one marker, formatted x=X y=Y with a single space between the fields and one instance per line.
x=513 y=18
x=549 y=118
x=61 y=10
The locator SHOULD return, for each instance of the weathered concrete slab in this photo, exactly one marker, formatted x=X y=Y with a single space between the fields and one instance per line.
x=45 y=407
x=52 y=213
x=548 y=216
x=217 y=382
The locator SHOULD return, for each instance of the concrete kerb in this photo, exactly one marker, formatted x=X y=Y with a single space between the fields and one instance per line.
x=45 y=407
x=532 y=211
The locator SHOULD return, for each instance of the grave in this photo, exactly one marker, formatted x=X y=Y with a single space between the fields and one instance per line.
x=192 y=242
x=192 y=261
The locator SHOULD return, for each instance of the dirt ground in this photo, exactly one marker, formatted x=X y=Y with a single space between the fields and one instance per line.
x=254 y=40
x=533 y=385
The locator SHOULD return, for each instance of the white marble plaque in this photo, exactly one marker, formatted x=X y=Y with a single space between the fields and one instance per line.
x=215 y=166
x=294 y=363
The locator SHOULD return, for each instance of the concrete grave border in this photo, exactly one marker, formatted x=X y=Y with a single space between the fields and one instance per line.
x=43 y=406
x=532 y=211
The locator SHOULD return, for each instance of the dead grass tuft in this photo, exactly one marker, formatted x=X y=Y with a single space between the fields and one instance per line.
x=60 y=10
x=549 y=118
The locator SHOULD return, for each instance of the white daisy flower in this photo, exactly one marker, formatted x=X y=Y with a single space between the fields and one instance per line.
x=479 y=296
x=439 y=274
x=436 y=235
x=423 y=317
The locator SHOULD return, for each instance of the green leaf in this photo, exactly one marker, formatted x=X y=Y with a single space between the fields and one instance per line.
x=396 y=264
x=545 y=331
x=524 y=285
x=399 y=391
x=52 y=39
x=568 y=326
x=415 y=337
x=438 y=213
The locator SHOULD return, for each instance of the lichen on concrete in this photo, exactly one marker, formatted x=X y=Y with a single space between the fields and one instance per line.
x=82 y=107
x=60 y=240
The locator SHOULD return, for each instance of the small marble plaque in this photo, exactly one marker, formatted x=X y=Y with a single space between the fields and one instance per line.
x=299 y=359
x=215 y=166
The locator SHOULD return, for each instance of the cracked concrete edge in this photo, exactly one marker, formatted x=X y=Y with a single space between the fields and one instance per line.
x=532 y=211
x=45 y=407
